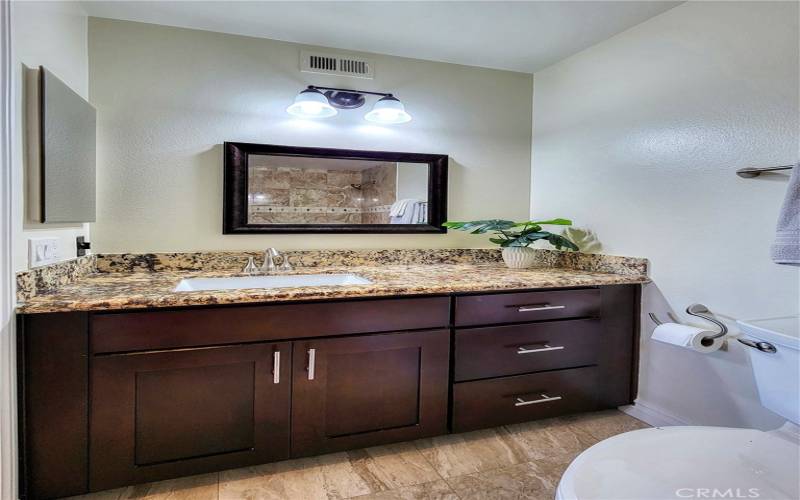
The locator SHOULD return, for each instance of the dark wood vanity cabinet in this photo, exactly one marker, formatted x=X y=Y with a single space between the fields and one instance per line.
x=170 y=413
x=529 y=355
x=116 y=398
x=354 y=392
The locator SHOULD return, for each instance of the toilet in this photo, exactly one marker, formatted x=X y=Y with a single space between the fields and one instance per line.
x=707 y=462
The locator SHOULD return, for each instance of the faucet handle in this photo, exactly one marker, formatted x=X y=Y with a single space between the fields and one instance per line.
x=251 y=267
x=285 y=266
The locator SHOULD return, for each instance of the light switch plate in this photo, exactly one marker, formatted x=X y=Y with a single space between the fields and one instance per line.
x=43 y=251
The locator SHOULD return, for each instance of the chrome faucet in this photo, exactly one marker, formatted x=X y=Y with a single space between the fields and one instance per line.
x=250 y=268
x=269 y=266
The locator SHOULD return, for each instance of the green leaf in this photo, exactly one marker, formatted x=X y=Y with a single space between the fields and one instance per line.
x=481 y=226
x=554 y=222
x=508 y=233
x=559 y=241
x=531 y=229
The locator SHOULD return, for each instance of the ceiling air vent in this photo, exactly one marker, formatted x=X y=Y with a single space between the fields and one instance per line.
x=333 y=64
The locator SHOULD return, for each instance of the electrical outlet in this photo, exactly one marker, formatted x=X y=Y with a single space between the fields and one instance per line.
x=42 y=251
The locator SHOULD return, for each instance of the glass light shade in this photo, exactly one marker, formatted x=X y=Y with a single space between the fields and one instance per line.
x=311 y=103
x=388 y=111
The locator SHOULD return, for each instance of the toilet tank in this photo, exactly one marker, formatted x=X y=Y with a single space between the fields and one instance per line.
x=777 y=374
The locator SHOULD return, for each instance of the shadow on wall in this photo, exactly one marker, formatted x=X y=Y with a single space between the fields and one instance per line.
x=723 y=386
x=211 y=168
x=455 y=184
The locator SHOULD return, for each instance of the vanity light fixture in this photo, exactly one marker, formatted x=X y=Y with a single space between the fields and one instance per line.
x=388 y=110
x=312 y=103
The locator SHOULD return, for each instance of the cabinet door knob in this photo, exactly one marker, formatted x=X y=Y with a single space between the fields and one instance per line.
x=525 y=350
x=538 y=307
x=276 y=367
x=312 y=361
x=544 y=399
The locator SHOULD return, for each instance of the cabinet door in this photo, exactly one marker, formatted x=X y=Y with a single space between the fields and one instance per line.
x=156 y=415
x=361 y=391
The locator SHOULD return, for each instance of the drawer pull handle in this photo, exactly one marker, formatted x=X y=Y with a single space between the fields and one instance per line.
x=539 y=307
x=525 y=350
x=544 y=399
x=312 y=361
x=276 y=367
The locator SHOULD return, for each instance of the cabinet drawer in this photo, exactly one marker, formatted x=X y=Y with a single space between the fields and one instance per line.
x=528 y=306
x=150 y=330
x=516 y=349
x=487 y=403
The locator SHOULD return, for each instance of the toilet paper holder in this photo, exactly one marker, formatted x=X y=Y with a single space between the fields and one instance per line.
x=700 y=311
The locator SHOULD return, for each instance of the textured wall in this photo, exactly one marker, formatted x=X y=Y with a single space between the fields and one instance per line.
x=53 y=35
x=638 y=138
x=168 y=97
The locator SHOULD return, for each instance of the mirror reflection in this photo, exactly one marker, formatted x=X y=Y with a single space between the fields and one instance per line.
x=307 y=190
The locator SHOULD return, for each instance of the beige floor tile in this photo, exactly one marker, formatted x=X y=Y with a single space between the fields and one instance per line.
x=552 y=437
x=550 y=470
x=203 y=487
x=604 y=424
x=436 y=490
x=101 y=495
x=459 y=454
x=392 y=466
x=316 y=478
x=516 y=481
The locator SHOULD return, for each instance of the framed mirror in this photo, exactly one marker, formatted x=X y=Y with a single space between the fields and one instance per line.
x=286 y=189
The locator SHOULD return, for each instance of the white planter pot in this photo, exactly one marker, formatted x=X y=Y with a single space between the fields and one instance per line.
x=519 y=257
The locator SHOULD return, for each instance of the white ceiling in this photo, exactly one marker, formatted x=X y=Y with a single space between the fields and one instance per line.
x=518 y=36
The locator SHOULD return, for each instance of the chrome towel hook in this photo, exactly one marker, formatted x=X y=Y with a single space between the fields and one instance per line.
x=700 y=311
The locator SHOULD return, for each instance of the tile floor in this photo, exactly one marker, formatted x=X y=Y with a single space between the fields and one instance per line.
x=513 y=461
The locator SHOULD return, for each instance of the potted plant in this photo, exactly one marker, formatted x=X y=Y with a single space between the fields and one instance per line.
x=515 y=237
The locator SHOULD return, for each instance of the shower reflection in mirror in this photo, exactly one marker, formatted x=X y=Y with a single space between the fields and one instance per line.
x=304 y=190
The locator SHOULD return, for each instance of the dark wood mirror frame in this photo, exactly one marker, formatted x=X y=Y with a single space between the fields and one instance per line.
x=235 y=210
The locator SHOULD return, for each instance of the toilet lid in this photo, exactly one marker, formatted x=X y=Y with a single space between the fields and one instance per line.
x=685 y=462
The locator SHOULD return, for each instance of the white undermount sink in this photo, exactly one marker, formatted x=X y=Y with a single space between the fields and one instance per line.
x=283 y=281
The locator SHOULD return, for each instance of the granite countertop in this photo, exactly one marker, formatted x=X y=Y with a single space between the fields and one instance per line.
x=98 y=291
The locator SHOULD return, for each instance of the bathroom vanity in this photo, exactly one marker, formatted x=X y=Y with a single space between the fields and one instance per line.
x=115 y=396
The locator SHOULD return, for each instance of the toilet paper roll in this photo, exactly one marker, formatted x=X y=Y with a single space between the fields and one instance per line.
x=687 y=336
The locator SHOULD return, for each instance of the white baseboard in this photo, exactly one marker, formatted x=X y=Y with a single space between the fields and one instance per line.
x=650 y=415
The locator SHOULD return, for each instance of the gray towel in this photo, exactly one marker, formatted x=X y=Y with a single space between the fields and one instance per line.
x=786 y=249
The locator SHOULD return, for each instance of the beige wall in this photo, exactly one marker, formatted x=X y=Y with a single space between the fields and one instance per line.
x=53 y=35
x=639 y=137
x=168 y=97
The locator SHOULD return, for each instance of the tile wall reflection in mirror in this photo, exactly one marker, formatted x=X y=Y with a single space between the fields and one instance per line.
x=305 y=190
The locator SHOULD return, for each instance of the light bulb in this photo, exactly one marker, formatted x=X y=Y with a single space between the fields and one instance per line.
x=388 y=111
x=311 y=103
